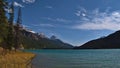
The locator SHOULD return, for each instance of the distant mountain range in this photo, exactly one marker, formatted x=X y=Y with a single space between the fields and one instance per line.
x=111 y=41
x=32 y=40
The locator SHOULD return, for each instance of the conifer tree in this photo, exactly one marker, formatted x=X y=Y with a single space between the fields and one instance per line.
x=3 y=24
x=10 y=36
x=18 y=40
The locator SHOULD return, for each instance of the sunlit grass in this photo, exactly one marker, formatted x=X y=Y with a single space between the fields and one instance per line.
x=16 y=60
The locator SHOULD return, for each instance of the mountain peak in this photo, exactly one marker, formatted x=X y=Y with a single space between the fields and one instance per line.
x=40 y=41
x=53 y=37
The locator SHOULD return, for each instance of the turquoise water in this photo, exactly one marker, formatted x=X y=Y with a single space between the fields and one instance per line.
x=93 y=58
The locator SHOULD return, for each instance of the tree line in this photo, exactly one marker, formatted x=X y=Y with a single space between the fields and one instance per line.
x=10 y=35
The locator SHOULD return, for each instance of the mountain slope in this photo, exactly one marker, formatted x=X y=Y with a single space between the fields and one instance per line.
x=33 y=40
x=109 y=42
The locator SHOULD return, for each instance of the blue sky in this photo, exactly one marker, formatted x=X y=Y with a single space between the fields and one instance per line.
x=73 y=21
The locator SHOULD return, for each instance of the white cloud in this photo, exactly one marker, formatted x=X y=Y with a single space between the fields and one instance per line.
x=7 y=10
x=99 y=26
x=100 y=21
x=57 y=19
x=28 y=1
x=81 y=12
x=49 y=7
x=78 y=13
x=62 y=20
x=26 y=26
x=47 y=25
x=18 y=4
x=44 y=25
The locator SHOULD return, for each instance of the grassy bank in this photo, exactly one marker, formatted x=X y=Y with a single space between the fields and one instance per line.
x=16 y=60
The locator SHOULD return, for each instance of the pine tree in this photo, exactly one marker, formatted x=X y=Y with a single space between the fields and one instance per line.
x=3 y=24
x=10 y=36
x=18 y=40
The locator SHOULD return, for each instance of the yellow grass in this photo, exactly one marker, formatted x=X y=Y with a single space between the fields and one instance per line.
x=16 y=60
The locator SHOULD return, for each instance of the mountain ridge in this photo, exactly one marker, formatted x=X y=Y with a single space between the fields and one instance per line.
x=111 y=41
x=33 y=40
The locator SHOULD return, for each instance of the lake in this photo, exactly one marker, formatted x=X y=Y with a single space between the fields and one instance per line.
x=88 y=58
